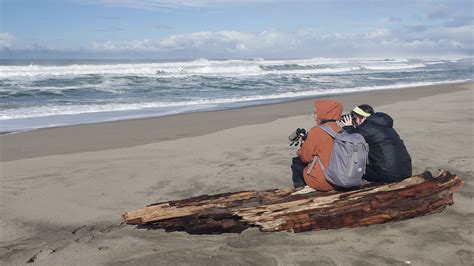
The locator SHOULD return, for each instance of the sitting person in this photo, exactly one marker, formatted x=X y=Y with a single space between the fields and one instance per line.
x=389 y=160
x=317 y=143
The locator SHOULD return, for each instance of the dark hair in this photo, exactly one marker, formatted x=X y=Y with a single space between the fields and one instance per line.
x=325 y=121
x=366 y=108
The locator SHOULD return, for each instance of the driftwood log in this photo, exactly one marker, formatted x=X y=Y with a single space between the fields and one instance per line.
x=277 y=210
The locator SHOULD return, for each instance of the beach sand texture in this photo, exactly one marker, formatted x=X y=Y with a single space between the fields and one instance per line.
x=63 y=189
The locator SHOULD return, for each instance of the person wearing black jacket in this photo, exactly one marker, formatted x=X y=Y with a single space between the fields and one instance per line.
x=389 y=160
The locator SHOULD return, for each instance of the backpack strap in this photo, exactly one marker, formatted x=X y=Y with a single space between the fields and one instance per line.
x=316 y=158
x=328 y=130
x=331 y=133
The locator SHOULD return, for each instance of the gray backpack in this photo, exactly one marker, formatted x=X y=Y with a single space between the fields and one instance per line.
x=348 y=159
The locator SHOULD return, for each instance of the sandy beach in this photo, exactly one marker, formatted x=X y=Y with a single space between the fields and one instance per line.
x=63 y=190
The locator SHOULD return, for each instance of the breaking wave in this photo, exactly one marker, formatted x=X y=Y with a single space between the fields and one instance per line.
x=40 y=94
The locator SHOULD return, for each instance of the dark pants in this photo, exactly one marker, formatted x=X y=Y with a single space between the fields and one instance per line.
x=297 y=167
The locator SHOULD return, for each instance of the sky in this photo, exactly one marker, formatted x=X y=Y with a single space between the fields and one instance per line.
x=228 y=29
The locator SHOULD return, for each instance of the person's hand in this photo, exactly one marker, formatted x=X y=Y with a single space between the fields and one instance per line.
x=347 y=120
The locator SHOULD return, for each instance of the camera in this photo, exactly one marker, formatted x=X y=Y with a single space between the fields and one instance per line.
x=299 y=135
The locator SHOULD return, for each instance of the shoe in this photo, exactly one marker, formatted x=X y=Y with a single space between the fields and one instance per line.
x=305 y=190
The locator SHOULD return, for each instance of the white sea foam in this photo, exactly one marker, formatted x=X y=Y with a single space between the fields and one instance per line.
x=51 y=110
x=107 y=85
x=44 y=95
x=393 y=67
x=204 y=67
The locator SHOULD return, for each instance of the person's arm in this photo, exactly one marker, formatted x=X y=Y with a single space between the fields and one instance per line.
x=306 y=151
x=350 y=129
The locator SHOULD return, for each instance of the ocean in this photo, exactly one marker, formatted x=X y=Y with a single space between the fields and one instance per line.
x=47 y=93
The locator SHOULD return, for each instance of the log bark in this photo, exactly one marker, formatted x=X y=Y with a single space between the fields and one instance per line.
x=277 y=210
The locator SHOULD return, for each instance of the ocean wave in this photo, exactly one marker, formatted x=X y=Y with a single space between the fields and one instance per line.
x=116 y=86
x=392 y=67
x=207 y=67
x=50 y=110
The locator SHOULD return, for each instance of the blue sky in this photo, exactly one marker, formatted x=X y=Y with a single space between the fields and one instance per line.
x=126 y=29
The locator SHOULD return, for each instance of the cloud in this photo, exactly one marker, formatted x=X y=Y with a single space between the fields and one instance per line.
x=173 y=4
x=162 y=27
x=221 y=42
x=439 y=11
x=459 y=21
x=390 y=20
x=438 y=32
x=302 y=43
x=6 y=40
x=418 y=40
x=449 y=31
x=108 y=29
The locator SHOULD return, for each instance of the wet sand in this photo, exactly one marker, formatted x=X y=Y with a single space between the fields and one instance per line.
x=63 y=189
x=130 y=133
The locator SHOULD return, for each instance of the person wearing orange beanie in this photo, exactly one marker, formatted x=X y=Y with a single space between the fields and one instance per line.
x=317 y=143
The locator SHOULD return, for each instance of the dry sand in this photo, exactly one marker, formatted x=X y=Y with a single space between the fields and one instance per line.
x=63 y=189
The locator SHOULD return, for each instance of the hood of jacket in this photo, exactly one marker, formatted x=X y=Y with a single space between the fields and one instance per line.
x=382 y=119
x=327 y=110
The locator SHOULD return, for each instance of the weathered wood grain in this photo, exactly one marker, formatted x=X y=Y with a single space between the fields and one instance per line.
x=277 y=210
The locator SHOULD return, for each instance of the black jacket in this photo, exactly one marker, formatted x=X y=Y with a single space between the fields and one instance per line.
x=389 y=160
